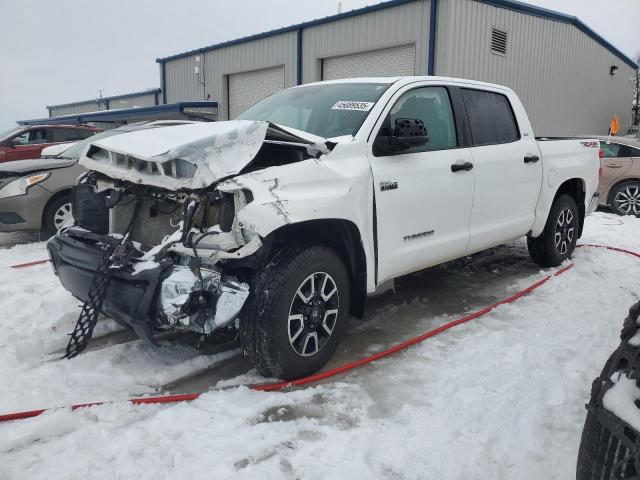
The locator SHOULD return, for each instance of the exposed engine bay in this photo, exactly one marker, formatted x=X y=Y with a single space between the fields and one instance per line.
x=180 y=257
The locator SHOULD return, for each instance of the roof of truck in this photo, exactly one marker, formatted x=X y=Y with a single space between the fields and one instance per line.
x=407 y=79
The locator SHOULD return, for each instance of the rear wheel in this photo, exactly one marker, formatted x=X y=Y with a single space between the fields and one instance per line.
x=625 y=199
x=560 y=234
x=296 y=314
x=57 y=214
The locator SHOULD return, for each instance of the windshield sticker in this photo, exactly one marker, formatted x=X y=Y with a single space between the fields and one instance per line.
x=353 y=105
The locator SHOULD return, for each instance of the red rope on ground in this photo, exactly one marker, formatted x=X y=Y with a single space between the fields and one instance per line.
x=29 y=264
x=342 y=368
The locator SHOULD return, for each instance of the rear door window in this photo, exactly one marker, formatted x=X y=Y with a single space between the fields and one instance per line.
x=81 y=134
x=491 y=117
x=66 y=134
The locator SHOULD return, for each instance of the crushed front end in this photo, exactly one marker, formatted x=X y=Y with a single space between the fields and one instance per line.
x=175 y=258
x=162 y=206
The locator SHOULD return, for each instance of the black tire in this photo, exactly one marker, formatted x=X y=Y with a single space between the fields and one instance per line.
x=50 y=222
x=600 y=449
x=625 y=198
x=265 y=322
x=544 y=250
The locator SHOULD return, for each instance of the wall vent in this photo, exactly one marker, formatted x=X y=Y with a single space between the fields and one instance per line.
x=498 y=41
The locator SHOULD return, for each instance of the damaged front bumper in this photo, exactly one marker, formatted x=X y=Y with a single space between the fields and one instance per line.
x=157 y=297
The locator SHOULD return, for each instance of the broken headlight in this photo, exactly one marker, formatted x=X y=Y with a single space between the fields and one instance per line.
x=201 y=305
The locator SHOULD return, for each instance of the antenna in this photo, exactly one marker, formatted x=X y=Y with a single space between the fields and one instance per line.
x=339 y=7
x=200 y=72
x=99 y=99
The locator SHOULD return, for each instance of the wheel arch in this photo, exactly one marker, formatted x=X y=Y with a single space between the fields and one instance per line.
x=344 y=237
x=576 y=188
x=53 y=198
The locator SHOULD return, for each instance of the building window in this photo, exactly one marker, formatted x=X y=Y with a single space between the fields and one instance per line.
x=498 y=41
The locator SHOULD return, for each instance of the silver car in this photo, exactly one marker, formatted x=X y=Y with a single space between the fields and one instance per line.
x=36 y=194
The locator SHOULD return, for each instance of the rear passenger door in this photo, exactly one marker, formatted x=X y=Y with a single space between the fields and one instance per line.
x=508 y=170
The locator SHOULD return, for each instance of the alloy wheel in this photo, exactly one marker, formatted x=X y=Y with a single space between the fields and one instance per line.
x=628 y=200
x=565 y=230
x=313 y=314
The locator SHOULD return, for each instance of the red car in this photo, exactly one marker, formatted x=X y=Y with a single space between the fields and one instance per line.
x=25 y=142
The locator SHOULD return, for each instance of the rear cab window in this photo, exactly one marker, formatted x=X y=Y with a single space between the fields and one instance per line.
x=491 y=117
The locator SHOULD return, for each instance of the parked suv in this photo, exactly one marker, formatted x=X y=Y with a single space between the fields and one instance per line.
x=620 y=183
x=22 y=143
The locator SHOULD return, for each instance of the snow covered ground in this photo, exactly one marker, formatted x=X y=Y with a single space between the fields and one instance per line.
x=501 y=397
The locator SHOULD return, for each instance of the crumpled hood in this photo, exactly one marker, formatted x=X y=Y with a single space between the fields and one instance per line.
x=188 y=156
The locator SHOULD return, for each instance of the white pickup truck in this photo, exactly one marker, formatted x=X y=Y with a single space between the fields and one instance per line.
x=275 y=226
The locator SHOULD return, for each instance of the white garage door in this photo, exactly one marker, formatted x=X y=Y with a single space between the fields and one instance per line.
x=248 y=88
x=389 y=62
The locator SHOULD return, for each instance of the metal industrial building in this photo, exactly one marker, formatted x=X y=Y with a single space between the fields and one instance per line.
x=146 y=98
x=570 y=79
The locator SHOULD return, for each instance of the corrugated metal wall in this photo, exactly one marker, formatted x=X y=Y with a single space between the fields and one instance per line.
x=391 y=62
x=561 y=74
x=84 y=107
x=126 y=101
x=399 y=25
x=182 y=84
x=142 y=100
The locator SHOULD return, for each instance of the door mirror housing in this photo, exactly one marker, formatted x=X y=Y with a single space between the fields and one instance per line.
x=14 y=142
x=407 y=133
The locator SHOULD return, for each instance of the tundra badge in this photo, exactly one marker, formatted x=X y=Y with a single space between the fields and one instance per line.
x=392 y=185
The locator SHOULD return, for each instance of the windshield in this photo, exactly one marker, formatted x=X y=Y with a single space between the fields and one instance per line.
x=8 y=133
x=327 y=110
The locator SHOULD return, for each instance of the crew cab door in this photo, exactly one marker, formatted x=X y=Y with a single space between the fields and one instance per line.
x=507 y=166
x=422 y=206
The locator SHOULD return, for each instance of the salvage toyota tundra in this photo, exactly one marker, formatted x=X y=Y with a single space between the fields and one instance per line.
x=276 y=225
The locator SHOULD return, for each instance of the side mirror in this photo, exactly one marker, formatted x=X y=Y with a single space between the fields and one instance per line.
x=407 y=133
x=14 y=143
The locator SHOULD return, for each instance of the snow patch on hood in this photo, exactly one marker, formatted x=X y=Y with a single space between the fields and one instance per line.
x=185 y=156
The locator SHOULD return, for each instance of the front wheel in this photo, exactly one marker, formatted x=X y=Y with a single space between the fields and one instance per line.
x=57 y=214
x=560 y=234
x=296 y=313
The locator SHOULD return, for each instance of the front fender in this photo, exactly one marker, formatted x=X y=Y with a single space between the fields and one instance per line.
x=309 y=190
